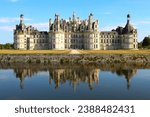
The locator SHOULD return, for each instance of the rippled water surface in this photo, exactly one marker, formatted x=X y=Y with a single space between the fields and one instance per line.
x=106 y=81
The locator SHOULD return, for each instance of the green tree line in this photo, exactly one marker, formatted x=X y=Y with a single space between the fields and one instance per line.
x=145 y=43
x=7 y=46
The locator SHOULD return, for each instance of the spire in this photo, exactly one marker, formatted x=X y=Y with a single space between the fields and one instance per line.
x=21 y=19
x=128 y=83
x=74 y=16
x=128 y=18
x=128 y=28
x=90 y=21
x=50 y=21
x=91 y=14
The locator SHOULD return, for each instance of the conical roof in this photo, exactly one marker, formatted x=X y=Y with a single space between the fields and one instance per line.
x=128 y=28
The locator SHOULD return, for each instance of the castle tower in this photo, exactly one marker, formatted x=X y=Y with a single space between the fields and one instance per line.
x=50 y=24
x=57 y=19
x=130 y=35
x=57 y=36
x=74 y=22
x=22 y=25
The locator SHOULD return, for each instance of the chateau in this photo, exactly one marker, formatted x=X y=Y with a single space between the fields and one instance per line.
x=74 y=34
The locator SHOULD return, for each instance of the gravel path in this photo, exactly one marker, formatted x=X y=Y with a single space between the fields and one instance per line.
x=74 y=52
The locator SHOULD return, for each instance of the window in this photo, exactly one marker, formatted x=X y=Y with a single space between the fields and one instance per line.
x=96 y=46
x=113 y=41
x=65 y=46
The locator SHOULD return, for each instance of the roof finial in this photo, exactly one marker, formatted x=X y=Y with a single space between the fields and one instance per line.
x=21 y=19
x=128 y=18
x=74 y=17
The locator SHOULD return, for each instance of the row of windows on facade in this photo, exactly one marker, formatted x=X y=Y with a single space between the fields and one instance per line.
x=81 y=41
x=71 y=27
x=95 y=46
x=71 y=46
x=88 y=36
x=77 y=36
x=81 y=36
x=81 y=46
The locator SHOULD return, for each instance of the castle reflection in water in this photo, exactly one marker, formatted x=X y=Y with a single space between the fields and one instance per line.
x=75 y=74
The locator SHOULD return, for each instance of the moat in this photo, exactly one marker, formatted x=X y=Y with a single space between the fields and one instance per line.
x=20 y=81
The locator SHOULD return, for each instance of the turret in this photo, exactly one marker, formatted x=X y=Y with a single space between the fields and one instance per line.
x=73 y=17
x=21 y=25
x=21 y=19
x=74 y=22
x=57 y=22
x=90 y=21
x=50 y=24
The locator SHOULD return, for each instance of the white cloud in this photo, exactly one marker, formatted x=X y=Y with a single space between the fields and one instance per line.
x=142 y=22
x=40 y=26
x=14 y=0
x=107 y=13
x=9 y=20
x=110 y=27
x=7 y=28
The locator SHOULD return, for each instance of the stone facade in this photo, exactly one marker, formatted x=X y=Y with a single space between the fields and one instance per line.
x=74 y=34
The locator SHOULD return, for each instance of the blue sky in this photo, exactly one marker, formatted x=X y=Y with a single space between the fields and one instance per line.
x=110 y=13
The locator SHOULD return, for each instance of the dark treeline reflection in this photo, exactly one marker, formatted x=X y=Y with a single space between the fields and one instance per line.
x=74 y=74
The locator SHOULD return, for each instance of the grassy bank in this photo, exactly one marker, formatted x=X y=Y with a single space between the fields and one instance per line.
x=34 y=51
x=80 y=51
x=114 y=51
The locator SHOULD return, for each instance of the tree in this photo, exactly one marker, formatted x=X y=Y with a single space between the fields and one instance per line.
x=140 y=45
x=6 y=46
x=1 y=46
x=146 y=41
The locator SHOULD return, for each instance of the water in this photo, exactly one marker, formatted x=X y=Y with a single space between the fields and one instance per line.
x=46 y=82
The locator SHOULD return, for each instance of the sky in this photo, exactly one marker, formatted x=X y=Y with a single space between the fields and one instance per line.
x=110 y=13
